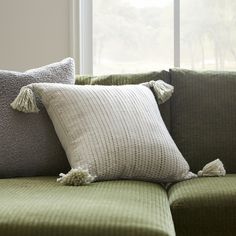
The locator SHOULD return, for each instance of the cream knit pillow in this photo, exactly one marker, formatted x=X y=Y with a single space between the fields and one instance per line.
x=116 y=132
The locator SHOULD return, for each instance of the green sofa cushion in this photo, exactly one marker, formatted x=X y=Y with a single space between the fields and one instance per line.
x=204 y=206
x=40 y=206
x=203 y=117
x=121 y=79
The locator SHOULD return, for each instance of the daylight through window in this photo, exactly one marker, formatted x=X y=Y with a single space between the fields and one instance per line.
x=138 y=35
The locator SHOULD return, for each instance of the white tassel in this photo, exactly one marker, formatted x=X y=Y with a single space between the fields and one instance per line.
x=76 y=177
x=214 y=168
x=162 y=90
x=25 y=101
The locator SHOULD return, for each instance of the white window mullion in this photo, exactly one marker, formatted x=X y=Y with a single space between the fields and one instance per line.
x=86 y=37
x=74 y=32
x=176 y=33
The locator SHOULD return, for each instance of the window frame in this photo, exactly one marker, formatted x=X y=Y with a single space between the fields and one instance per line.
x=84 y=36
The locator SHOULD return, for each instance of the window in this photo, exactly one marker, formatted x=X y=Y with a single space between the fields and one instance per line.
x=207 y=34
x=129 y=36
x=132 y=35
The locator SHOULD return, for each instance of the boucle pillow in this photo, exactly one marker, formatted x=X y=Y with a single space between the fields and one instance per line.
x=116 y=132
x=29 y=145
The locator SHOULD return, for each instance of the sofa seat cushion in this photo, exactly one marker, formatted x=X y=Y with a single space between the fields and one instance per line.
x=40 y=206
x=204 y=206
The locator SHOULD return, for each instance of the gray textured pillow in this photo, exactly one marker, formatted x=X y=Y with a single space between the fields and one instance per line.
x=113 y=131
x=28 y=143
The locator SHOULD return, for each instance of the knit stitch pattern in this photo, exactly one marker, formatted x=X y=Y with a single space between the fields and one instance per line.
x=116 y=132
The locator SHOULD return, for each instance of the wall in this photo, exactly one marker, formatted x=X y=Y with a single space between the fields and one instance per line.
x=33 y=33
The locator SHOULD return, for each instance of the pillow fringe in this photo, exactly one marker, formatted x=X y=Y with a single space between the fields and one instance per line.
x=25 y=101
x=162 y=90
x=214 y=168
x=76 y=177
x=80 y=176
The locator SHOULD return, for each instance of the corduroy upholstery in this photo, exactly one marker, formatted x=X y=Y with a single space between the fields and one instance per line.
x=200 y=207
x=39 y=206
x=122 y=79
x=203 y=117
x=204 y=206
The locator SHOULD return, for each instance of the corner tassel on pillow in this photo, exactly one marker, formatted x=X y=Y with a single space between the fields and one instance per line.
x=214 y=168
x=25 y=101
x=162 y=90
x=76 y=177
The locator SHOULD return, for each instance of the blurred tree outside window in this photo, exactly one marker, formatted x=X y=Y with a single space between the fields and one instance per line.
x=138 y=35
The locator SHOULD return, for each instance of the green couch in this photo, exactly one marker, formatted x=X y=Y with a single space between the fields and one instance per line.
x=201 y=117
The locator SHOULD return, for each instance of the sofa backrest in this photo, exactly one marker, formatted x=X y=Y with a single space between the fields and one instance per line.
x=122 y=79
x=203 y=117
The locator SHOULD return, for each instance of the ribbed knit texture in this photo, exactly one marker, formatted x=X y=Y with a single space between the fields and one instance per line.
x=41 y=207
x=122 y=79
x=204 y=206
x=203 y=115
x=114 y=131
